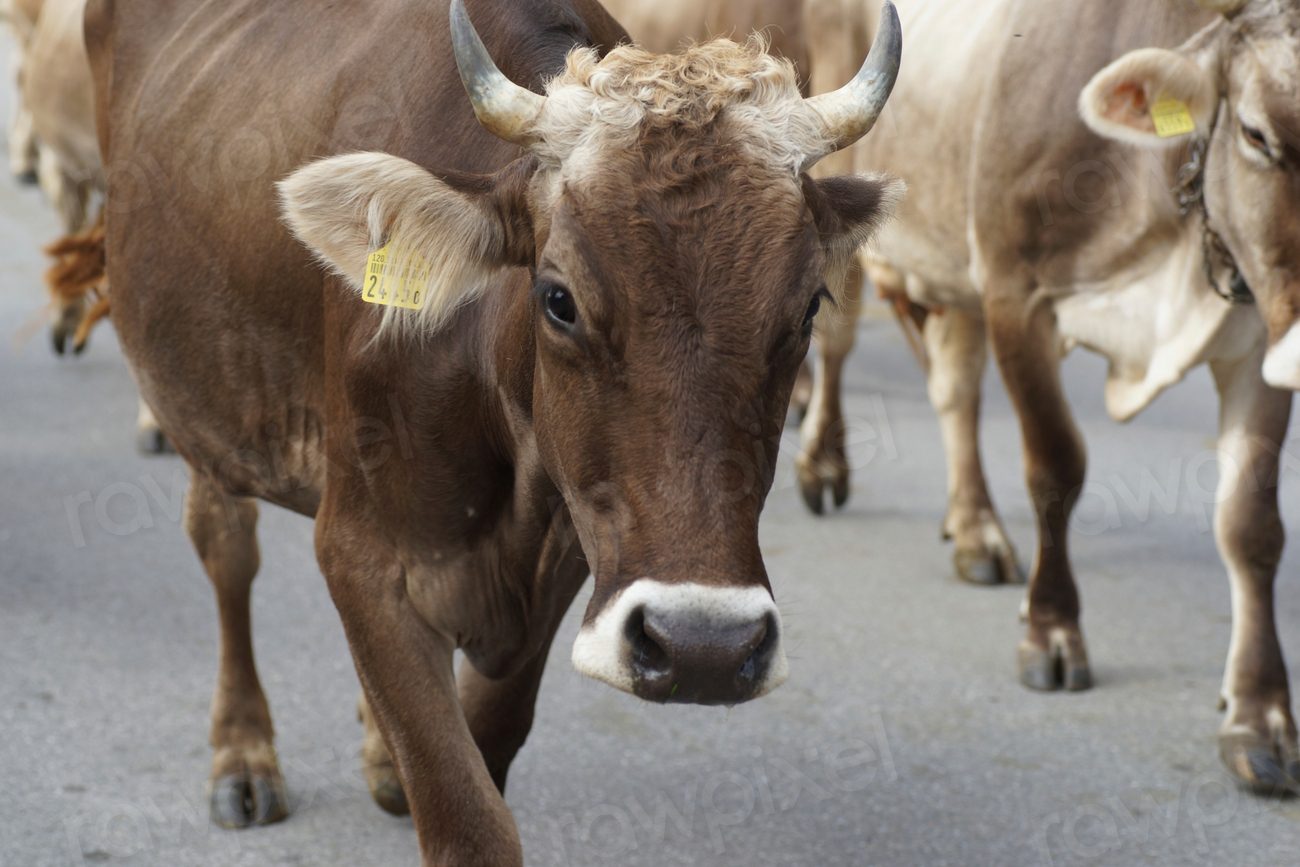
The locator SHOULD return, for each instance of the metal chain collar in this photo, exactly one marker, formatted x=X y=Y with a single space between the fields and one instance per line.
x=1215 y=255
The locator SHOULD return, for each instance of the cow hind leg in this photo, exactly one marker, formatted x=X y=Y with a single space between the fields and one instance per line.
x=149 y=436
x=822 y=463
x=377 y=765
x=801 y=397
x=69 y=195
x=1052 y=654
x=1257 y=740
x=956 y=346
x=246 y=787
x=70 y=199
x=22 y=147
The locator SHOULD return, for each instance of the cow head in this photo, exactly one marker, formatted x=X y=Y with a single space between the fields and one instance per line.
x=679 y=254
x=1239 y=78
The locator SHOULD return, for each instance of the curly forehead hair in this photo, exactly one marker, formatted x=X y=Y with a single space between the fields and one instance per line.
x=598 y=102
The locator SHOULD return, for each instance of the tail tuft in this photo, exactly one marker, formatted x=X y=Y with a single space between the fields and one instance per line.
x=78 y=277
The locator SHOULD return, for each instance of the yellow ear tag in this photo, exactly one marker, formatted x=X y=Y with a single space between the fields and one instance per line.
x=1172 y=118
x=392 y=282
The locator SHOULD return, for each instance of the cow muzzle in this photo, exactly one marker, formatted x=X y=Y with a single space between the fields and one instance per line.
x=685 y=643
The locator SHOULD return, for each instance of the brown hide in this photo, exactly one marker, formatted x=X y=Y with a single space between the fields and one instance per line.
x=465 y=478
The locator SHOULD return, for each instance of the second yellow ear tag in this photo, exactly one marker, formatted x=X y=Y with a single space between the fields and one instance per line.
x=1172 y=118
x=392 y=282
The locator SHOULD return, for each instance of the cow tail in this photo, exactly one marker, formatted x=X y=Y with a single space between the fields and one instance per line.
x=78 y=278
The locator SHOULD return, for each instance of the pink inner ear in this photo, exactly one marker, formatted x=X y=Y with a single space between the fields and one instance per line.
x=1126 y=104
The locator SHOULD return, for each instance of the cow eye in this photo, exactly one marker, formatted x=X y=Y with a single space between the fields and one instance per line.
x=814 y=307
x=1255 y=139
x=559 y=306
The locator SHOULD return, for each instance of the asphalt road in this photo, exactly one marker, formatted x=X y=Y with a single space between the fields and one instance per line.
x=902 y=737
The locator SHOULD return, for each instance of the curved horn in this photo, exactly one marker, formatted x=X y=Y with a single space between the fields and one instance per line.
x=850 y=112
x=1226 y=7
x=505 y=109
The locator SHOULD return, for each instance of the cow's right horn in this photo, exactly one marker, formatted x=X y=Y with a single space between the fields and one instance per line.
x=850 y=112
x=1226 y=7
x=505 y=109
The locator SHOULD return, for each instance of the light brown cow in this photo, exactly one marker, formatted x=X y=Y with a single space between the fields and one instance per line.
x=21 y=16
x=617 y=291
x=842 y=35
x=1046 y=207
x=56 y=97
x=57 y=100
x=57 y=93
x=666 y=25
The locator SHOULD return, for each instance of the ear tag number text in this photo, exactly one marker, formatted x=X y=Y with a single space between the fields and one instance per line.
x=391 y=282
x=1172 y=118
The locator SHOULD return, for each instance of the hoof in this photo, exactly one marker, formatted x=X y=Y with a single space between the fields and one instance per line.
x=1262 y=766
x=1060 y=663
x=813 y=489
x=840 y=491
x=977 y=569
x=152 y=441
x=387 y=790
x=64 y=328
x=27 y=177
x=987 y=570
x=244 y=800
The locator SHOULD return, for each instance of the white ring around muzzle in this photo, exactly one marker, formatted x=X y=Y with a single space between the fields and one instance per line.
x=602 y=651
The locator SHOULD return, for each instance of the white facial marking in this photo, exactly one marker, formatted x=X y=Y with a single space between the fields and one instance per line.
x=1282 y=363
x=601 y=650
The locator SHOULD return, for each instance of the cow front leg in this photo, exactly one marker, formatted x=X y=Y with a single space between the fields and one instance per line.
x=956 y=346
x=405 y=667
x=822 y=463
x=1052 y=654
x=1258 y=738
x=500 y=709
x=246 y=787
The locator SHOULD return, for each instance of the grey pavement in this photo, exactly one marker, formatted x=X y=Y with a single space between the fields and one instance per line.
x=902 y=737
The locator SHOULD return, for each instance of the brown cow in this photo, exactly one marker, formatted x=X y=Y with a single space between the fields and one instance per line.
x=619 y=284
x=1047 y=205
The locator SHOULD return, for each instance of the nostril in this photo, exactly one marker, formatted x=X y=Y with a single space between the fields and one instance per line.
x=648 y=644
x=763 y=642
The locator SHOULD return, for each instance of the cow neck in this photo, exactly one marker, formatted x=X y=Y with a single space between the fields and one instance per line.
x=1215 y=255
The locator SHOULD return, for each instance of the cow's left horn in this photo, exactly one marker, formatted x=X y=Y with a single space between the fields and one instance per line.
x=850 y=112
x=505 y=109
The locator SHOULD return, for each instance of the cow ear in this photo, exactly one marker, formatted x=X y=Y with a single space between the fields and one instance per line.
x=456 y=231
x=1123 y=100
x=848 y=210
